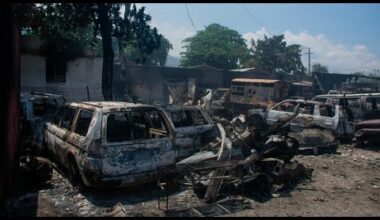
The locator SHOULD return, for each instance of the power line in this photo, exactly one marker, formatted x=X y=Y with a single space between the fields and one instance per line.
x=191 y=20
x=254 y=18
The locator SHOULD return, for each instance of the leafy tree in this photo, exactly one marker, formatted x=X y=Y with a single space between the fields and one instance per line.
x=319 y=68
x=69 y=20
x=157 y=57
x=216 y=45
x=274 y=55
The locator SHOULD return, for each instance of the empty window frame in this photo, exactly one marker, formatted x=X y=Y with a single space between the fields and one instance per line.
x=42 y=107
x=187 y=118
x=130 y=126
x=83 y=122
x=306 y=108
x=373 y=103
x=326 y=111
x=286 y=106
x=68 y=118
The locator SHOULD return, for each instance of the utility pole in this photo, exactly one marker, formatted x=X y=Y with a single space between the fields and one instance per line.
x=309 y=69
x=309 y=53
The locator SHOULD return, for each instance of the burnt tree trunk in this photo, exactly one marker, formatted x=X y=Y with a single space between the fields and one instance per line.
x=10 y=90
x=108 y=55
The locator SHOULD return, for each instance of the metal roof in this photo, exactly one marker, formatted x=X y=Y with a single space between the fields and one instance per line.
x=249 y=69
x=39 y=95
x=347 y=95
x=110 y=104
x=247 y=80
x=303 y=83
x=307 y=101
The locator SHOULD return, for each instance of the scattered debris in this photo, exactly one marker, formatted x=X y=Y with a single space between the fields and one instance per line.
x=366 y=133
x=243 y=156
x=118 y=211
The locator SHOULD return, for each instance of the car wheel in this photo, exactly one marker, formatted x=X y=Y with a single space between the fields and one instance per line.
x=73 y=173
x=316 y=150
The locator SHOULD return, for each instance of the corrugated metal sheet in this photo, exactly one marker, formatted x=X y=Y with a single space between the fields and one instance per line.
x=303 y=83
x=246 y=80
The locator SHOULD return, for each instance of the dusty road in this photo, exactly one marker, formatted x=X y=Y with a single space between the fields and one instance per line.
x=342 y=184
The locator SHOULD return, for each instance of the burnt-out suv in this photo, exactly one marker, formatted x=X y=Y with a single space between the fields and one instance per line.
x=36 y=109
x=193 y=127
x=111 y=143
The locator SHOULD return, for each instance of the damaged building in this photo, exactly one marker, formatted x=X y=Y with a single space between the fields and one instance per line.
x=180 y=82
x=75 y=72
x=345 y=83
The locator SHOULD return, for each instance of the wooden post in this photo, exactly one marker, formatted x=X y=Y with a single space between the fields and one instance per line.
x=10 y=90
x=88 y=93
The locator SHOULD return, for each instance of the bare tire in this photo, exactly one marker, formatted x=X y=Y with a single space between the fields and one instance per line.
x=73 y=173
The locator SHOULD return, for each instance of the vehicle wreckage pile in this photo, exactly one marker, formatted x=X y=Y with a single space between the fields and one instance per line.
x=244 y=154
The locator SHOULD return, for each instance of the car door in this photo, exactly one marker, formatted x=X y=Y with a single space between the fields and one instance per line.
x=346 y=124
x=305 y=118
x=51 y=128
x=193 y=129
x=281 y=110
x=62 y=132
x=132 y=145
x=326 y=116
x=77 y=138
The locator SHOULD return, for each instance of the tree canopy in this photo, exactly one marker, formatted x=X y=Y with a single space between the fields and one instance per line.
x=319 y=68
x=274 y=55
x=217 y=46
x=157 y=57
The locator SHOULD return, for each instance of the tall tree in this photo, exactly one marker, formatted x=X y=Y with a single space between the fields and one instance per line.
x=319 y=68
x=216 y=45
x=157 y=57
x=68 y=19
x=274 y=55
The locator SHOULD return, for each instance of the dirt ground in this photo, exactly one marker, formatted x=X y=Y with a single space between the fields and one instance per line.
x=342 y=184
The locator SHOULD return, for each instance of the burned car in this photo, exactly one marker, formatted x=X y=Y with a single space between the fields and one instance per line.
x=36 y=109
x=318 y=127
x=364 y=106
x=366 y=133
x=193 y=126
x=312 y=114
x=111 y=143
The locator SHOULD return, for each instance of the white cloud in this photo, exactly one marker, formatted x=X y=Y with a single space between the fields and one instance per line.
x=338 y=57
x=257 y=35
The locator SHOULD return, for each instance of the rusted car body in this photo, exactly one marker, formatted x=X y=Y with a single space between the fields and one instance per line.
x=111 y=143
x=193 y=126
x=367 y=133
x=36 y=109
x=312 y=114
x=363 y=106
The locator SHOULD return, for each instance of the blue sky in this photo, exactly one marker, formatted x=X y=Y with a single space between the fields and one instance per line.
x=346 y=37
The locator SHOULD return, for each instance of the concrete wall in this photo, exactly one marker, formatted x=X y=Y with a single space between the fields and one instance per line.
x=147 y=84
x=81 y=72
x=33 y=70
